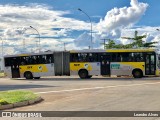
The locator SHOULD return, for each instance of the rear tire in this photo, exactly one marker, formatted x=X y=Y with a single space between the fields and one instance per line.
x=137 y=74
x=28 y=75
x=83 y=74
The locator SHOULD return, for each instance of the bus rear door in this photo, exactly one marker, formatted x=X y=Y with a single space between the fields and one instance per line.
x=15 y=68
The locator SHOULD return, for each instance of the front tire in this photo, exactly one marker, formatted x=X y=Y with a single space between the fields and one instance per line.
x=83 y=74
x=137 y=74
x=28 y=75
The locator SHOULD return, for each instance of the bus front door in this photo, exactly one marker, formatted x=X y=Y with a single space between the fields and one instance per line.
x=105 y=65
x=15 y=69
x=150 y=64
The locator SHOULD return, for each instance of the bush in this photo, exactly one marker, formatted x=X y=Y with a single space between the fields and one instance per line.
x=3 y=102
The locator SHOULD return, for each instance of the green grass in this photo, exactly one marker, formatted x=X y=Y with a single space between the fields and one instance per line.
x=2 y=74
x=16 y=96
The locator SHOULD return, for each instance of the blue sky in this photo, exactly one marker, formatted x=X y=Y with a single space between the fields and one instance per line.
x=59 y=21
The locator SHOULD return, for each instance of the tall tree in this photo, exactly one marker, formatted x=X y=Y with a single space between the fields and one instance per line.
x=138 y=42
x=111 y=44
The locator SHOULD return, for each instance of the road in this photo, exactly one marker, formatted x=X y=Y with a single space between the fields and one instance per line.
x=96 y=94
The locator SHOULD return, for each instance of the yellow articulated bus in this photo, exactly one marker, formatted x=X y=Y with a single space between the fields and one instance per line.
x=85 y=63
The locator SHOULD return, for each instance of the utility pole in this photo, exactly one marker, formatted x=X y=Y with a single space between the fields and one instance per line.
x=104 y=42
x=91 y=44
x=64 y=46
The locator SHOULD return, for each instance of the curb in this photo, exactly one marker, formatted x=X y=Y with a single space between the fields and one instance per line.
x=20 y=104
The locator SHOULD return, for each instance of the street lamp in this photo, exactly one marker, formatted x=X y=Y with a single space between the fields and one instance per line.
x=24 y=30
x=38 y=34
x=91 y=25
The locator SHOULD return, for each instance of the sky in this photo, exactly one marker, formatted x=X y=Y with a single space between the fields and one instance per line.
x=55 y=22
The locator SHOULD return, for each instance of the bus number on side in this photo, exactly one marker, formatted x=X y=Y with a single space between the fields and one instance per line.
x=29 y=67
x=76 y=64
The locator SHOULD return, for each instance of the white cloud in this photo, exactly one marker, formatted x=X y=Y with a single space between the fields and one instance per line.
x=114 y=22
x=122 y=17
x=15 y=19
x=118 y=19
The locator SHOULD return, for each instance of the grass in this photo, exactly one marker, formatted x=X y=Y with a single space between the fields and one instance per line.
x=2 y=74
x=16 y=96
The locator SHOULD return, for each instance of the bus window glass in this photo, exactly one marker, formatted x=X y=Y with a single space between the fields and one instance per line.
x=152 y=59
x=138 y=57
x=92 y=57
x=147 y=59
x=118 y=57
x=43 y=59
x=124 y=57
x=114 y=57
x=23 y=61
x=74 y=57
x=82 y=57
x=48 y=58
x=7 y=61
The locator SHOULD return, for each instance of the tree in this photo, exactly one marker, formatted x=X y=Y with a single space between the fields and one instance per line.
x=149 y=44
x=138 y=42
x=111 y=44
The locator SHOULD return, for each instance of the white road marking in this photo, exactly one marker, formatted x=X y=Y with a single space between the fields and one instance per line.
x=94 y=88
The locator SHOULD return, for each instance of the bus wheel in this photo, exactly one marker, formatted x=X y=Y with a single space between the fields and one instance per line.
x=28 y=75
x=137 y=74
x=83 y=74
x=36 y=77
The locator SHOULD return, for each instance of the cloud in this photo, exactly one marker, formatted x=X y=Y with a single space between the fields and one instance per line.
x=55 y=28
x=16 y=19
x=122 y=17
x=114 y=22
x=83 y=40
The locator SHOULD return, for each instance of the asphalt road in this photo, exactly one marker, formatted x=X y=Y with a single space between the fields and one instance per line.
x=96 y=94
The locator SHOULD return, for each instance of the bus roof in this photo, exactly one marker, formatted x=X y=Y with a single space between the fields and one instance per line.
x=88 y=51
x=114 y=50
x=29 y=54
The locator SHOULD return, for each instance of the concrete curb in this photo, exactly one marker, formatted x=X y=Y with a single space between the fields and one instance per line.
x=20 y=104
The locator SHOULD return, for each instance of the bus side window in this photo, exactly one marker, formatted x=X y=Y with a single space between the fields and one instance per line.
x=31 y=60
x=23 y=61
x=118 y=58
x=83 y=57
x=74 y=57
x=43 y=59
x=125 y=57
x=114 y=57
x=37 y=59
x=130 y=57
x=14 y=61
x=7 y=61
x=52 y=58
x=90 y=57
x=93 y=57
x=48 y=59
